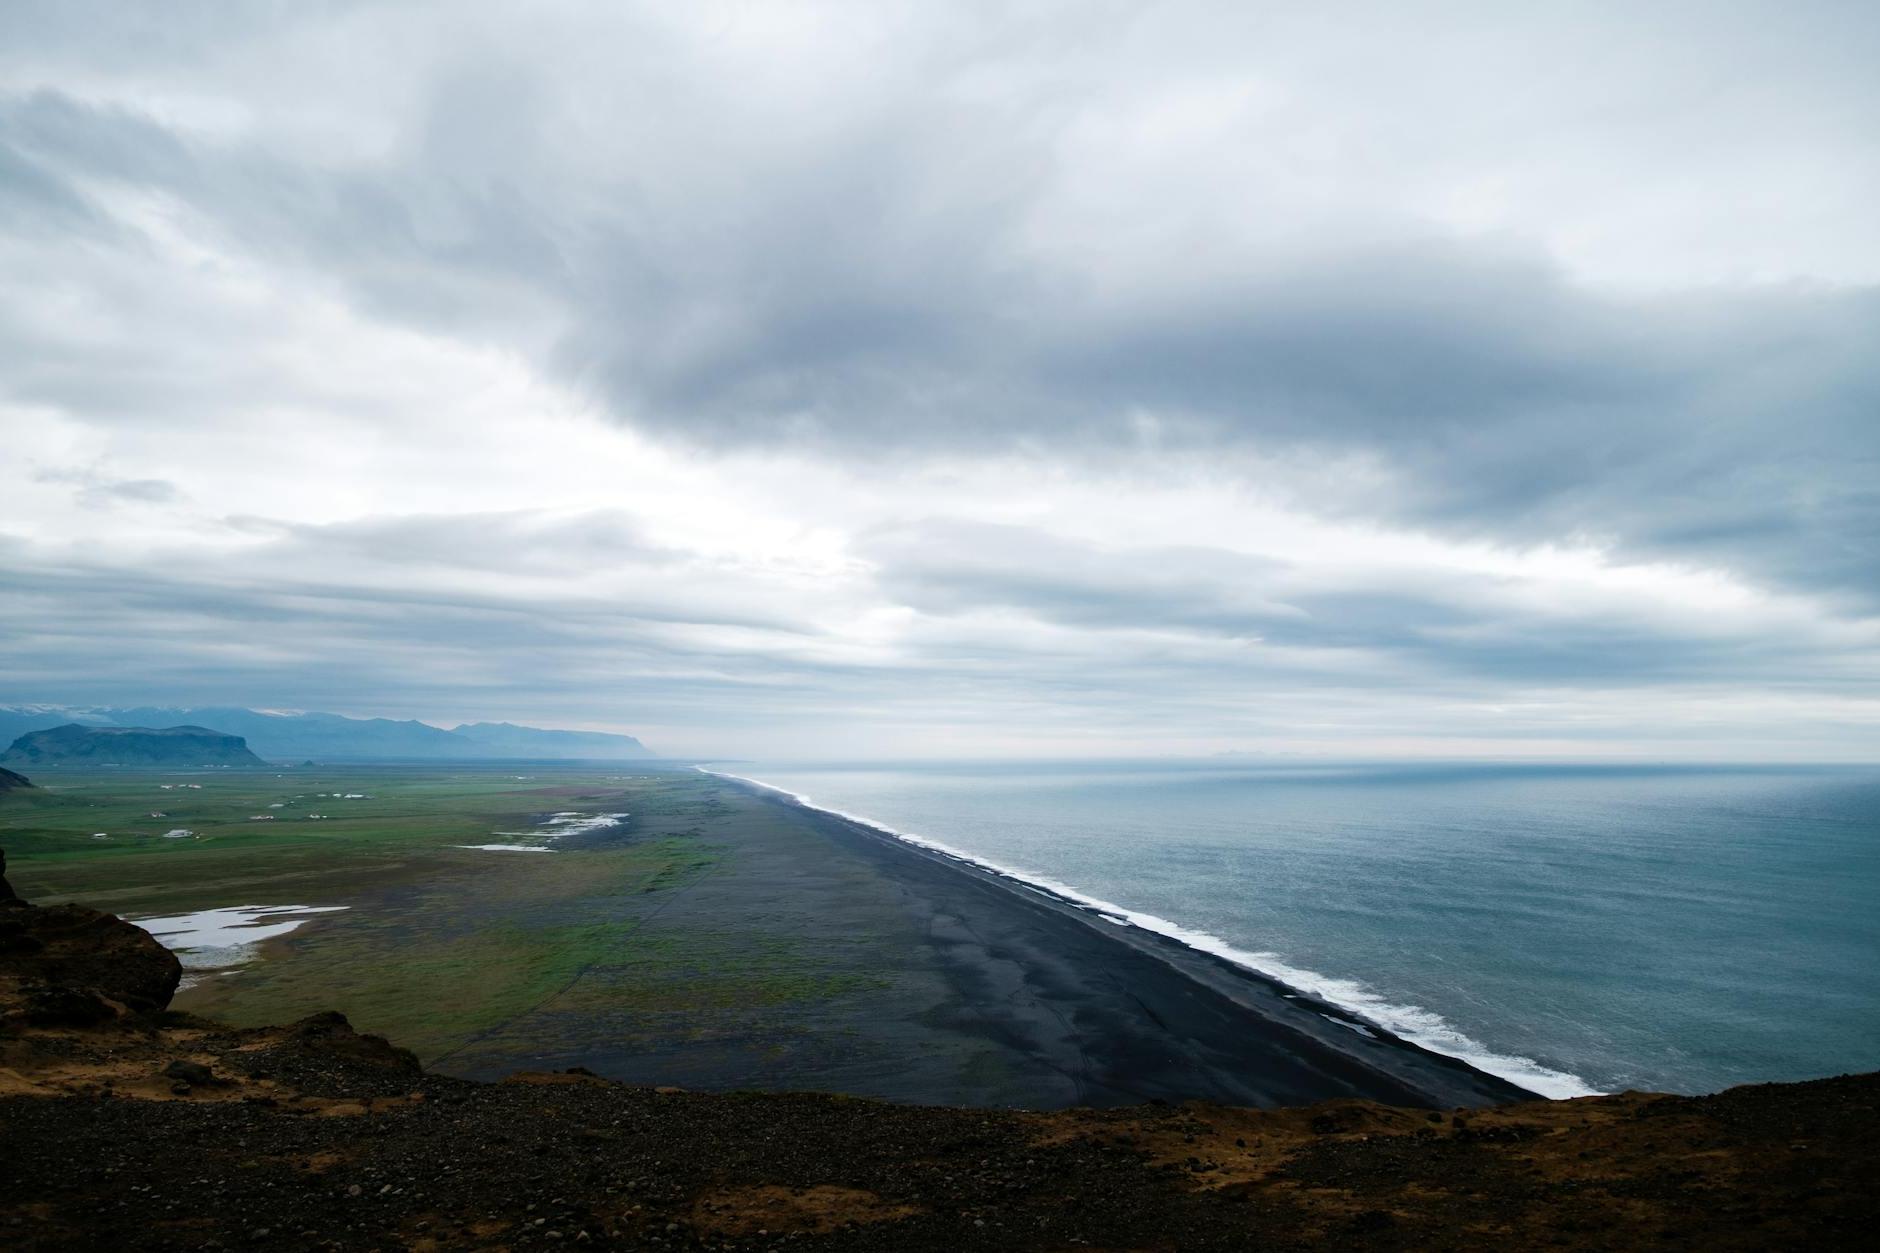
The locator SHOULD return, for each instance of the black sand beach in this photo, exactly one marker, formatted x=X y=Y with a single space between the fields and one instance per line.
x=1101 y=1014
x=896 y=972
x=720 y=937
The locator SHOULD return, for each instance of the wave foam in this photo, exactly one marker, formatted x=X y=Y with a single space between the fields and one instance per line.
x=1412 y=1022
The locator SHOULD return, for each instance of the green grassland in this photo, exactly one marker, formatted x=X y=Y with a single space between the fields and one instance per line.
x=439 y=946
x=405 y=818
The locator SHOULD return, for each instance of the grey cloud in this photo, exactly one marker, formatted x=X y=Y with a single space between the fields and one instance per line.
x=868 y=306
x=97 y=489
x=1735 y=430
x=911 y=266
x=514 y=542
x=261 y=625
x=139 y=491
x=309 y=621
x=35 y=200
x=424 y=564
x=267 y=627
x=952 y=568
x=1429 y=629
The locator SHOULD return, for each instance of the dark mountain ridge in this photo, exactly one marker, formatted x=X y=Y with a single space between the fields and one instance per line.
x=76 y=745
x=293 y=737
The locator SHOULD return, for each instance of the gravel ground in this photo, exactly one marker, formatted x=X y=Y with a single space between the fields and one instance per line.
x=313 y=1138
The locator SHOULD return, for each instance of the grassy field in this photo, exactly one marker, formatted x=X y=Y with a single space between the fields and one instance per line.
x=100 y=838
x=437 y=945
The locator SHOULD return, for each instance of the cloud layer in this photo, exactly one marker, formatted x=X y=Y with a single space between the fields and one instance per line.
x=930 y=378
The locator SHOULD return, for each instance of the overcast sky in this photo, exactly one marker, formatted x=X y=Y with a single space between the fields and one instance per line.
x=869 y=379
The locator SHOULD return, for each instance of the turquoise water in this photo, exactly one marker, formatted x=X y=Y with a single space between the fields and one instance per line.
x=1573 y=928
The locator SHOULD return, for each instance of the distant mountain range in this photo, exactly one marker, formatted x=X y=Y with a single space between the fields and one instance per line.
x=331 y=737
x=75 y=745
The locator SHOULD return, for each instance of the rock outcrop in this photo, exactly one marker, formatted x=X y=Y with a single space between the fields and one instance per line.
x=10 y=781
x=329 y=1037
x=66 y=965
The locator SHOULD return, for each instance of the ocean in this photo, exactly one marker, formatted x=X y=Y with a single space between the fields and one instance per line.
x=1572 y=928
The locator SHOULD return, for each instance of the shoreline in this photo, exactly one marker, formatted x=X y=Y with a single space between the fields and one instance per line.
x=1130 y=1013
x=724 y=938
x=1533 y=1077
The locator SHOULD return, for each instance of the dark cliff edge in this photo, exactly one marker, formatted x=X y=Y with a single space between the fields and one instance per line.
x=130 y=1126
x=10 y=781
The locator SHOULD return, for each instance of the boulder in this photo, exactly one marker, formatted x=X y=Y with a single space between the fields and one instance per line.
x=330 y=1035
x=7 y=895
x=195 y=1073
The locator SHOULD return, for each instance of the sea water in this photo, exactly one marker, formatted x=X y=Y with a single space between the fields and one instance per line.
x=1573 y=928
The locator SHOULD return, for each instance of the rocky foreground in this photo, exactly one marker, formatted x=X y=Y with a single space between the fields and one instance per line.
x=125 y=1126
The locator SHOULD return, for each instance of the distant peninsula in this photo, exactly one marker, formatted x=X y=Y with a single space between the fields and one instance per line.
x=505 y=739
x=76 y=745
